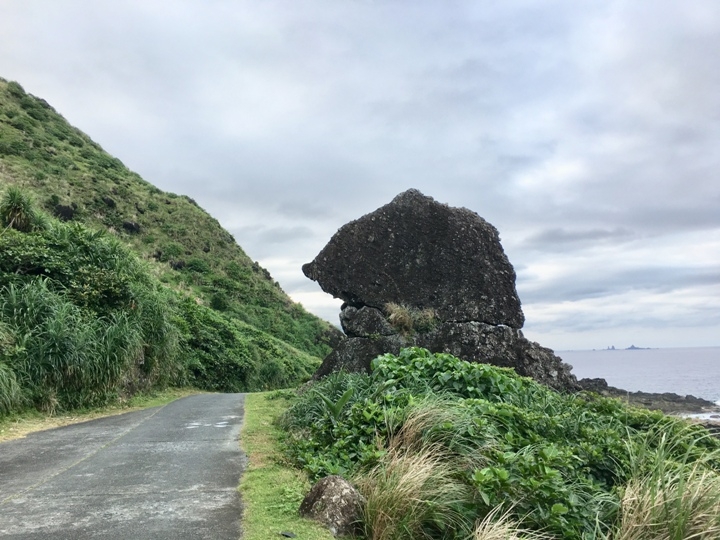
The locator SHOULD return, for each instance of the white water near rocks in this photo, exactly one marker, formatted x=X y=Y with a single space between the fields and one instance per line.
x=694 y=371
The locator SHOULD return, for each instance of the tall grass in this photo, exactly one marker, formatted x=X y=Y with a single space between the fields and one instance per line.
x=680 y=504
x=498 y=525
x=674 y=490
x=418 y=488
x=10 y=392
x=89 y=322
x=68 y=358
x=159 y=348
x=415 y=494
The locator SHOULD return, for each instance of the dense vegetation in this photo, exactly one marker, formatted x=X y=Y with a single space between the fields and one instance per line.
x=73 y=179
x=443 y=448
x=84 y=321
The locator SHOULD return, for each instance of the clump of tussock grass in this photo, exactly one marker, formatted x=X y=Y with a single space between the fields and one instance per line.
x=407 y=320
x=436 y=420
x=673 y=493
x=418 y=488
x=399 y=317
x=679 y=505
x=414 y=494
x=497 y=525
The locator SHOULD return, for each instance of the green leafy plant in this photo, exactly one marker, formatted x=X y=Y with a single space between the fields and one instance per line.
x=335 y=408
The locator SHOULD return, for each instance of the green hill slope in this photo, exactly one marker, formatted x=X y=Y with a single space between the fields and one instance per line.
x=72 y=178
x=84 y=322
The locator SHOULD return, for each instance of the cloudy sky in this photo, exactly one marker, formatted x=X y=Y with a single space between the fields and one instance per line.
x=587 y=132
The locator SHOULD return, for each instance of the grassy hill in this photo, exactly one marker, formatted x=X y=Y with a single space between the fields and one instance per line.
x=109 y=286
x=72 y=178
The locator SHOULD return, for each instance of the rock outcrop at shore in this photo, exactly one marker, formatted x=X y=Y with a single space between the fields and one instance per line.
x=666 y=402
x=416 y=272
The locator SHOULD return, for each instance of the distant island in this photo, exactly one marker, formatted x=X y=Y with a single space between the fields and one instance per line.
x=630 y=348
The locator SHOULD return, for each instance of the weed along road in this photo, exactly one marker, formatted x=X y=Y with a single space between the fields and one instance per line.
x=164 y=473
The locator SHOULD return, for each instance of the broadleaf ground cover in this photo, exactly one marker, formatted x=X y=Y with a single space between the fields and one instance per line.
x=492 y=443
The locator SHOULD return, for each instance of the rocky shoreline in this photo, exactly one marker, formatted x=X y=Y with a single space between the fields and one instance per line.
x=667 y=402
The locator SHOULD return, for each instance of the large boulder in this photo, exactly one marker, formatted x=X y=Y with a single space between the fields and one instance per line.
x=423 y=254
x=419 y=273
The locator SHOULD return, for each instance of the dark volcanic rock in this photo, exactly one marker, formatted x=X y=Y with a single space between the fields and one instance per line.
x=475 y=342
x=666 y=402
x=64 y=212
x=354 y=354
x=334 y=502
x=364 y=322
x=423 y=254
x=131 y=227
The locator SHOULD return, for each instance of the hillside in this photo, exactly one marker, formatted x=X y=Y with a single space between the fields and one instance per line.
x=72 y=178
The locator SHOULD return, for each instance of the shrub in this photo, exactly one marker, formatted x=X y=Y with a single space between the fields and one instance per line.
x=226 y=355
x=12 y=142
x=171 y=251
x=196 y=264
x=17 y=211
x=15 y=89
x=219 y=301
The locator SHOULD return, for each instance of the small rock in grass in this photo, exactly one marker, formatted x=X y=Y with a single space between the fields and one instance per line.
x=335 y=503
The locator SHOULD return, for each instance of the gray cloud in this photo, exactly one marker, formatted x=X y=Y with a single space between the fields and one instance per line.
x=559 y=238
x=607 y=281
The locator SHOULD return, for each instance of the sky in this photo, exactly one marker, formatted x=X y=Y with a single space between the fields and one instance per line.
x=587 y=132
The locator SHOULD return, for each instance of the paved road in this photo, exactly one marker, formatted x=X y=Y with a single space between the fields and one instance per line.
x=165 y=473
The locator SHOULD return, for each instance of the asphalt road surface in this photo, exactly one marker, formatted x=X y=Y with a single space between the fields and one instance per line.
x=164 y=473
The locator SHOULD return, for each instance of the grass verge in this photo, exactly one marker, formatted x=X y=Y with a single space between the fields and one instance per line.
x=21 y=424
x=271 y=489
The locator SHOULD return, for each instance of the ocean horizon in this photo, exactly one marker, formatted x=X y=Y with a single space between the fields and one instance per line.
x=684 y=371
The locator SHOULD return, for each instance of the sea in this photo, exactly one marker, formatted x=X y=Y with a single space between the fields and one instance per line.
x=694 y=371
